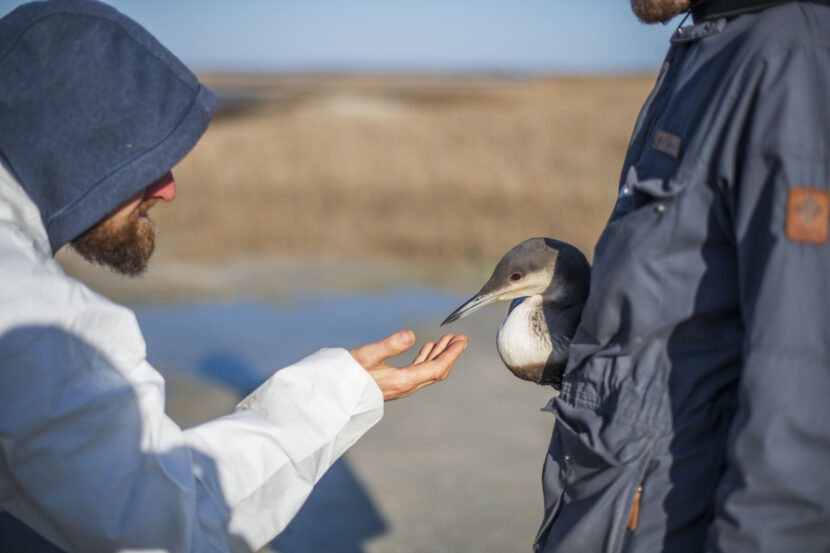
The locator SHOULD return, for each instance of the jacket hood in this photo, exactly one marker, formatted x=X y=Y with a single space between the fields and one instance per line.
x=92 y=110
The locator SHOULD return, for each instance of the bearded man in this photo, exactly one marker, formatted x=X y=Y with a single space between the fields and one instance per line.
x=94 y=113
x=694 y=410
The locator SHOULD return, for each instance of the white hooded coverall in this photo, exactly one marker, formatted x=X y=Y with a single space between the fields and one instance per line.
x=88 y=458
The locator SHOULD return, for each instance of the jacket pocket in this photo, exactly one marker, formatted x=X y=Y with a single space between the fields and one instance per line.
x=589 y=492
x=625 y=300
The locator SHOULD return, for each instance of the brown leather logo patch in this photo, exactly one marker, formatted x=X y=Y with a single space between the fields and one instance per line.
x=667 y=143
x=808 y=212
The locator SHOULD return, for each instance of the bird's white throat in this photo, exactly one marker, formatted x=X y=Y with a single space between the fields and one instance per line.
x=523 y=340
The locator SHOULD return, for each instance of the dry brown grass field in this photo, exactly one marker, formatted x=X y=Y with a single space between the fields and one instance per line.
x=438 y=169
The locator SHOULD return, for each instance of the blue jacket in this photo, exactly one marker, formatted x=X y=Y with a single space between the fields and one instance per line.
x=80 y=126
x=694 y=414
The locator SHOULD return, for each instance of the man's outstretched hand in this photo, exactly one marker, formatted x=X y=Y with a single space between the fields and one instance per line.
x=432 y=364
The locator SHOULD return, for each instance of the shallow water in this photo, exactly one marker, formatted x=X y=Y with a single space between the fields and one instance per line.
x=447 y=446
x=241 y=342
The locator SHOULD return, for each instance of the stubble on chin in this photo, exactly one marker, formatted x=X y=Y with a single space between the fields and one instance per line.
x=658 y=11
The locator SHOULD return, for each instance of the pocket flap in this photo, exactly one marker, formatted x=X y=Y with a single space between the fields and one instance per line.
x=658 y=188
x=654 y=187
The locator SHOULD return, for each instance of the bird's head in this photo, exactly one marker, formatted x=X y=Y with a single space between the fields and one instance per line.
x=543 y=266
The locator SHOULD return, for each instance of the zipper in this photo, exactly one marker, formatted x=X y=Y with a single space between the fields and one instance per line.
x=634 y=513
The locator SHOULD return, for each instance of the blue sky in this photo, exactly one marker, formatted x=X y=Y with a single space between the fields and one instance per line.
x=560 y=36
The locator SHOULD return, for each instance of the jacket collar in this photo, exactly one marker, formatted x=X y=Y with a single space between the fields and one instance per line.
x=703 y=10
x=698 y=31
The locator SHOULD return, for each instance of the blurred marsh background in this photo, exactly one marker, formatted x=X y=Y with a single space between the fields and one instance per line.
x=368 y=165
x=451 y=169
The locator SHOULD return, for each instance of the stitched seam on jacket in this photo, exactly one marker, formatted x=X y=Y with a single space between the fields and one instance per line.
x=628 y=416
x=815 y=357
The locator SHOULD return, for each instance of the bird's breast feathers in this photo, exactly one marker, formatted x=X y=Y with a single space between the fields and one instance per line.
x=523 y=340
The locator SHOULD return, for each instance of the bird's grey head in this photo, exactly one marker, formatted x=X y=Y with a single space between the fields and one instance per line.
x=544 y=266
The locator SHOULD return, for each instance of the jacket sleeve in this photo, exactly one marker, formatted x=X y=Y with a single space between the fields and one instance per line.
x=90 y=461
x=775 y=494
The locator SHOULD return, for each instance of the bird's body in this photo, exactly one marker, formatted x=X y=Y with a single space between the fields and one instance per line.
x=548 y=282
x=533 y=340
x=523 y=340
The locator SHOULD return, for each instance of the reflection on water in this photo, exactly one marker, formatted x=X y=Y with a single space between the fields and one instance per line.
x=241 y=343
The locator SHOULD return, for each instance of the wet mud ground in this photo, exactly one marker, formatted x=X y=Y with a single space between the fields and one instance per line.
x=455 y=468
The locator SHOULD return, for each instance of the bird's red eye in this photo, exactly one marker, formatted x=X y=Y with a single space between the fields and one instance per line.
x=515 y=276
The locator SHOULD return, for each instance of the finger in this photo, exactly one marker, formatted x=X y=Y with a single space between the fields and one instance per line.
x=424 y=353
x=372 y=354
x=440 y=346
x=445 y=360
x=452 y=352
x=459 y=338
x=438 y=368
x=398 y=383
x=446 y=342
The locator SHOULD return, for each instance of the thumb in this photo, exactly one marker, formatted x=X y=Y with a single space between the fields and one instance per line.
x=372 y=354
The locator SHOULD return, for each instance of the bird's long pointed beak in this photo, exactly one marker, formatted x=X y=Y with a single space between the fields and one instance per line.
x=471 y=306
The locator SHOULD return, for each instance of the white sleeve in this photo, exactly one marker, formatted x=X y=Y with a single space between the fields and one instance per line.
x=89 y=459
x=283 y=437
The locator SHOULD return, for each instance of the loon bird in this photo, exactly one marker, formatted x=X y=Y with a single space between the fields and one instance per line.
x=548 y=281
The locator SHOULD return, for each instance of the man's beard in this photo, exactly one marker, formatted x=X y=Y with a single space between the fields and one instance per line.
x=126 y=249
x=658 y=11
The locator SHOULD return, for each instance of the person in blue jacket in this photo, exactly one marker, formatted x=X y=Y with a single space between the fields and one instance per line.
x=94 y=114
x=694 y=414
